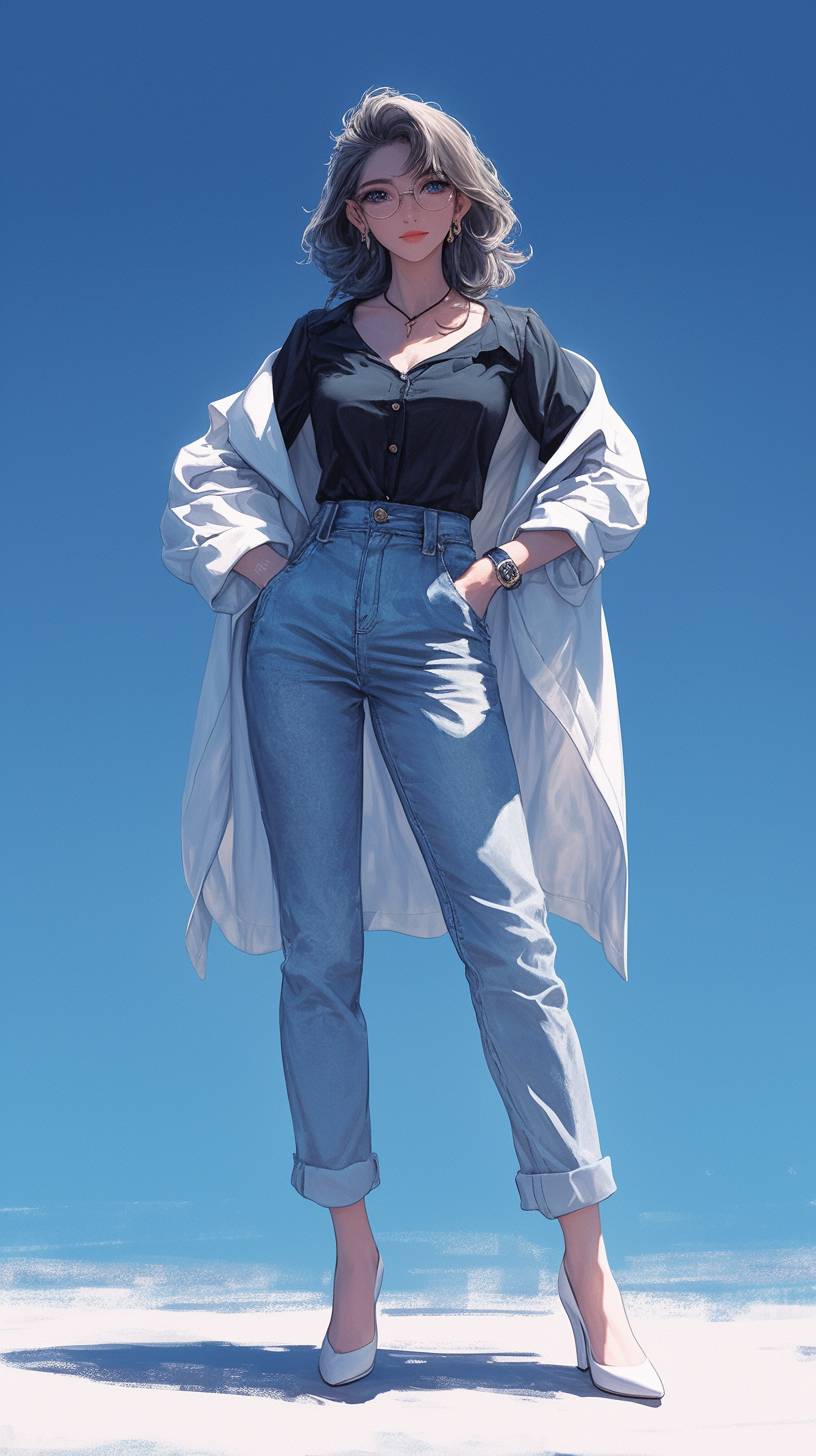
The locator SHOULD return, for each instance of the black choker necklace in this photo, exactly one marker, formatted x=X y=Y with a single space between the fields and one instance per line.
x=412 y=321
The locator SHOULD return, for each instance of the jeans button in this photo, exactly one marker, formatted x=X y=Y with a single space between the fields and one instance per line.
x=380 y=513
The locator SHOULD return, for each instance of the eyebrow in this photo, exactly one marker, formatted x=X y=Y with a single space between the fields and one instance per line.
x=428 y=172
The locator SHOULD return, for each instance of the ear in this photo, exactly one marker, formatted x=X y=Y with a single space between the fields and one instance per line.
x=461 y=206
x=355 y=216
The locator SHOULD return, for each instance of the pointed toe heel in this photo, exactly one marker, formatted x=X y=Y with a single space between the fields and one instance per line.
x=636 y=1380
x=339 y=1367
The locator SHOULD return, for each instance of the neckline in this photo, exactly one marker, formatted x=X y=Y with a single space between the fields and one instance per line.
x=351 y=304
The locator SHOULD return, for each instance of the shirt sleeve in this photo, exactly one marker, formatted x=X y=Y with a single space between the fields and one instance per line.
x=292 y=380
x=546 y=391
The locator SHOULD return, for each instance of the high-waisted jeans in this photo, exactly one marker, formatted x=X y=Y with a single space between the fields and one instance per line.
x=366 y=609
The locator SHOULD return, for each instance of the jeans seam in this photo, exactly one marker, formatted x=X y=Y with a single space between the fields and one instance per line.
x=522 y=1122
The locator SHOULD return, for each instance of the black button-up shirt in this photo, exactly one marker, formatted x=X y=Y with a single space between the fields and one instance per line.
x=426 y=435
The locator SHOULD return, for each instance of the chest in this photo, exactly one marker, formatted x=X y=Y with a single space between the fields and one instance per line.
x=357 y=388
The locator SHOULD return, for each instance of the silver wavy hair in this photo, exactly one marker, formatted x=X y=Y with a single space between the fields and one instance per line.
x=477 y=260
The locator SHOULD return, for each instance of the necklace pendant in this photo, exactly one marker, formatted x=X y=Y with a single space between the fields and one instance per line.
x=408 y=328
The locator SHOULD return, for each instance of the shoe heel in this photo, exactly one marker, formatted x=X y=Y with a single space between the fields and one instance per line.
x=580 y=1342
x=573 y=1314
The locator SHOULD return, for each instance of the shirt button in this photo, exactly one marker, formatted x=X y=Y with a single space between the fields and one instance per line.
x=393 y=449
x=395 y=406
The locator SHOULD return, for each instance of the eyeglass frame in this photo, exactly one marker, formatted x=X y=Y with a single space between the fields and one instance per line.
x=410 y=193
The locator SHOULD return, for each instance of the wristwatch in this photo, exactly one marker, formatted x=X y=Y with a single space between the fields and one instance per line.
x=505 y=567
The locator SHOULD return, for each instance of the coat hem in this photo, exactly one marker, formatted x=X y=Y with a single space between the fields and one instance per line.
x=248 y=936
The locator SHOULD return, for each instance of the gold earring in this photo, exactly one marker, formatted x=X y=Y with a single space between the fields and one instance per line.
x=453 y=231
x=364 y=238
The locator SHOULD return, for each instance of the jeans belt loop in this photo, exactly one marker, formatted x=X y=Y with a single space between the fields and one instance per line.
x=430 y=531
x=326 y=524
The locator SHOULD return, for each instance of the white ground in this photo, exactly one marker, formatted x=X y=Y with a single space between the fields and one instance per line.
x=146 y=1382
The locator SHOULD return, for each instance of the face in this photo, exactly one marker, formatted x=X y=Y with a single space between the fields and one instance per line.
x=394 y=233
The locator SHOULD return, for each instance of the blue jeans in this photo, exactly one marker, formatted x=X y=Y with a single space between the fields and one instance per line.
x=366 y=609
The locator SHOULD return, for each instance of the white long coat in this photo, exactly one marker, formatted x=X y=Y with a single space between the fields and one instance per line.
x=236 y=487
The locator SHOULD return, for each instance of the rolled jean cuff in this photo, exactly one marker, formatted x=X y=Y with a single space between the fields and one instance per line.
x=335 y=1187
x=554 y=1194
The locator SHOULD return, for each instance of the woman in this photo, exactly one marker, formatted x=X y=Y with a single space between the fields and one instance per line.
x=377 y=624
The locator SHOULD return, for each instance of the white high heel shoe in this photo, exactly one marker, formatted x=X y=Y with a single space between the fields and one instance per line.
x=640 y=1379
x=338 y=1367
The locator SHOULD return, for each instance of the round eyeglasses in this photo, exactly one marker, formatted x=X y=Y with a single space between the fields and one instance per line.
x=381 y=199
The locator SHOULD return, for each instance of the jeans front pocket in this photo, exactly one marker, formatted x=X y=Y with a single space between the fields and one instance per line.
x=302 y=554
x=456 y=557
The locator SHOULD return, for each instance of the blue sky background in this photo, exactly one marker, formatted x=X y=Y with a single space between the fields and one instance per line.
x=164 y=165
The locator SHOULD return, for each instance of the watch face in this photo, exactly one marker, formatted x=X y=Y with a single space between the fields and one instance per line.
x=508 y=571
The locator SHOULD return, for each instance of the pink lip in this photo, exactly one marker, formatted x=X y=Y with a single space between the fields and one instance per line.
x=413 y=235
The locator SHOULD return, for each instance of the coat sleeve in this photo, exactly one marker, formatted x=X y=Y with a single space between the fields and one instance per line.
x=602 y=501
x=217 y=509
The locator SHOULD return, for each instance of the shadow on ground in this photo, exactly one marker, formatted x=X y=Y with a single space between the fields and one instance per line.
x=289 y=1372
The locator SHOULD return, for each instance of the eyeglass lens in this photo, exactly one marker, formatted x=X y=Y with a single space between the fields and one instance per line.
x=382 y=198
